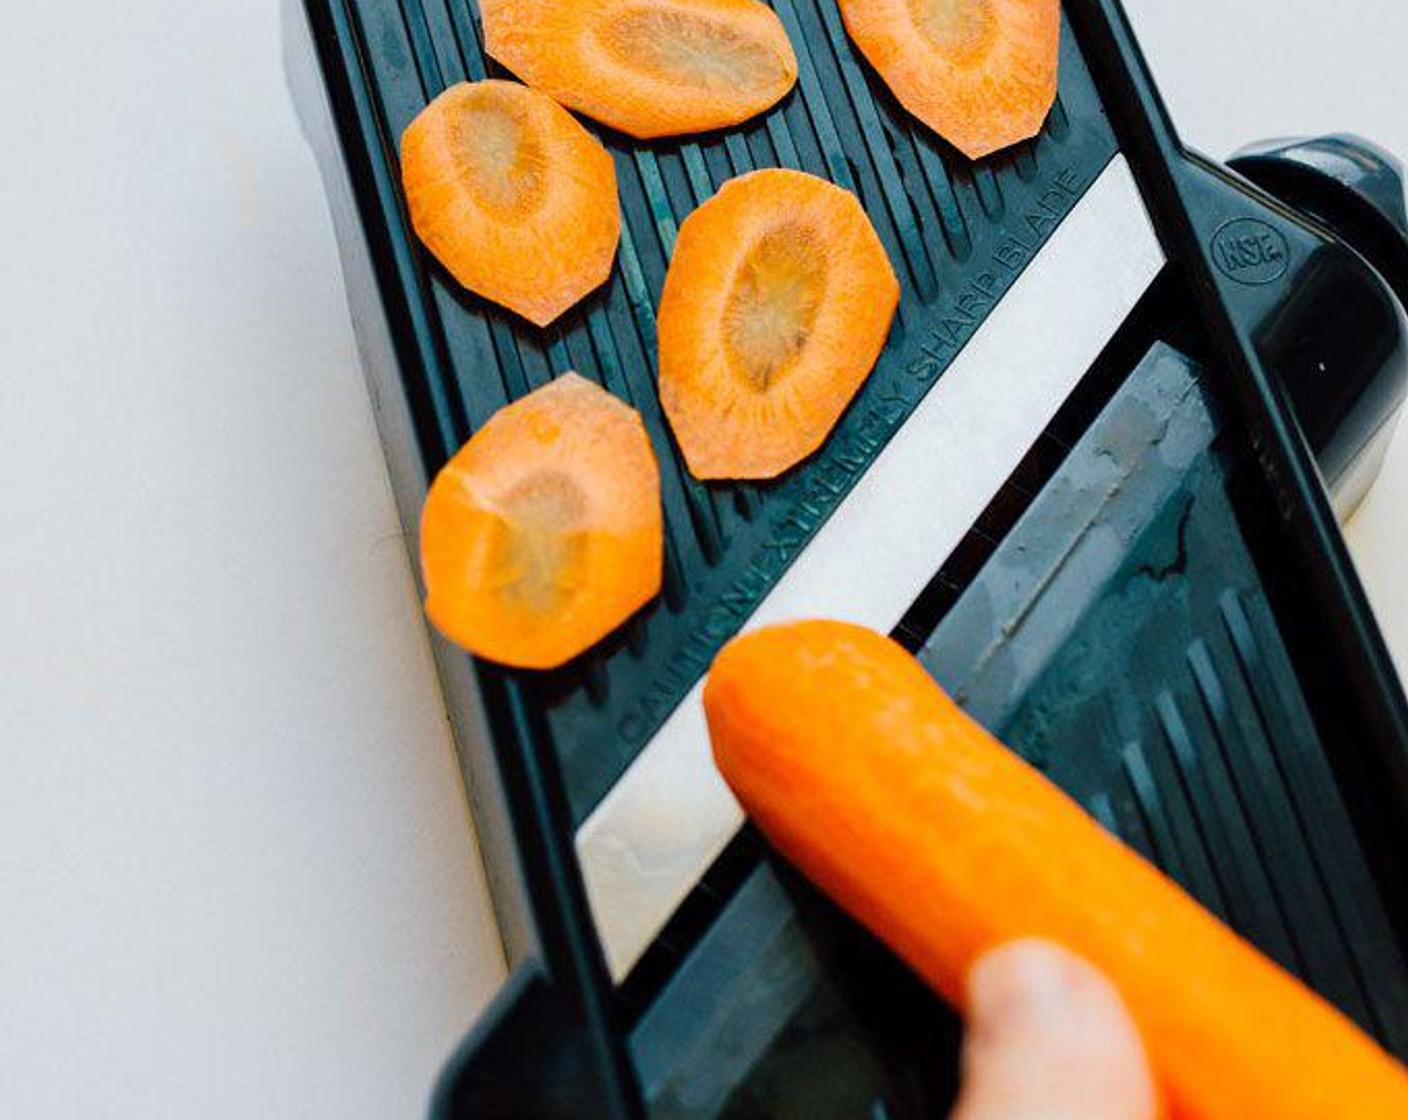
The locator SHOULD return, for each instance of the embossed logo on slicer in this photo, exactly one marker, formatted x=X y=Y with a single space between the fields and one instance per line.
x=1250 y=251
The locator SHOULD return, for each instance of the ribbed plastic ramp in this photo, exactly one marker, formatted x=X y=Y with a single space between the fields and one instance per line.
x=958 y=234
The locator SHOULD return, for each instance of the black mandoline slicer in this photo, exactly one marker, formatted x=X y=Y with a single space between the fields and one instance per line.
x=1092 y=481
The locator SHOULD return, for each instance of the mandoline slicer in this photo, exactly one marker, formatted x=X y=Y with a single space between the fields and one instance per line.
x=1093 y=482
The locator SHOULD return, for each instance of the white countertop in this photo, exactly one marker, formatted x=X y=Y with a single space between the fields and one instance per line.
x=235 y=865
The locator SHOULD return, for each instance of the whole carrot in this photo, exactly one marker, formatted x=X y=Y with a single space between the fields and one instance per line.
x=861 y=770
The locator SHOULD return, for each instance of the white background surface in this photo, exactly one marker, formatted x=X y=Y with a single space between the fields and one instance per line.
x=236 y=874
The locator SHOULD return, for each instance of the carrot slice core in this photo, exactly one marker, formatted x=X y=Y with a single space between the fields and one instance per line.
x=959 y=27
x=773 y=304
x=688 y=47
x=543 y=549
x=503 y=161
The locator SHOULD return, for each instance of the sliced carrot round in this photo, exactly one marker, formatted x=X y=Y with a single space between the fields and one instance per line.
x=544 y=534
x=512 y=195
x=647 y=67
x=980 y=73
x=776 y=306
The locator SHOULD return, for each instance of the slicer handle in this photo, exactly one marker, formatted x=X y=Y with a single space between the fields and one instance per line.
x=1340 y=342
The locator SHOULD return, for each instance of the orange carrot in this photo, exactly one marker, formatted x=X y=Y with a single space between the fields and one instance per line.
x=980 y=73
x=646 y=67
x=776 y=306
x=515 y=198
x=543 y=533
x=860 y=769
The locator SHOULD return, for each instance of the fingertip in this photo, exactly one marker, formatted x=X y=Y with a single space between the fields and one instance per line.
x=1049 y=1037
x=1024 y=985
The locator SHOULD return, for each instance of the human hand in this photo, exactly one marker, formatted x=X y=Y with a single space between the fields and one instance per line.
x=1048 y=1038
